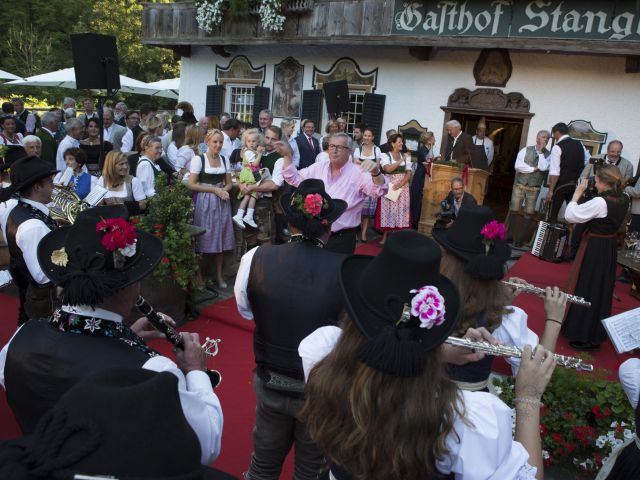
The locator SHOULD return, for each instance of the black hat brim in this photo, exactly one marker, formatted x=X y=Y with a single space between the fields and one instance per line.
x=369 y=321
x=149 y=253
x=336 y=207
x=500 y=249
x=36 y=178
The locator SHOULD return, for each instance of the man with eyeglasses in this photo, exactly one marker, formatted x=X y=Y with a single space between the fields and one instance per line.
x=344 y=180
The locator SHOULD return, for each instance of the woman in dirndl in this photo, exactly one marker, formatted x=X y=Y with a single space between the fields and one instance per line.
x=210 y=178
x=395 y=215
x=593 y=274
x=368 y=151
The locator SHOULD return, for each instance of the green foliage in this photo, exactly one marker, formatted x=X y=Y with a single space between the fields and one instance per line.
x=584 y=416
x=37 y=41
x=168 y=217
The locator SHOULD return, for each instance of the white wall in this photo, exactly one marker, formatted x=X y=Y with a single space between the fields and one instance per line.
x=560 y=88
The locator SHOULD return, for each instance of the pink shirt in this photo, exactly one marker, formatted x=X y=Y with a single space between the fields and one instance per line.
x=351 y=185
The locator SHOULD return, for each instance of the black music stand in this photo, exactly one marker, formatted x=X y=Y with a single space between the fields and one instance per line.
x=95 y=61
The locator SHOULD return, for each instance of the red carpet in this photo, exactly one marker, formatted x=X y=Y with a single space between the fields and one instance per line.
x=235 y=360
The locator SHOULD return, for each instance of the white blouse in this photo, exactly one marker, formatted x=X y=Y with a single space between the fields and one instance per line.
x=375 y=154
x=136 y=187
x=594 y=208
x=514 y=332
x=629 y=374
x=482 y=447
x=196 y=166
x=185 y=154
x=386 y=159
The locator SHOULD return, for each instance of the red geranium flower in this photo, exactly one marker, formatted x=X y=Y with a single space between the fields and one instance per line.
x=313 y=204
x=165 y=260
x=118 y=233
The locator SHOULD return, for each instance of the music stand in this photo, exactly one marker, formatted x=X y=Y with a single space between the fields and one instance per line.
x=95 y=61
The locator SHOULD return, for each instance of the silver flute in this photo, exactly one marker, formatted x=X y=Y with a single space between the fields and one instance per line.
x=541 y=292
x=504 y=351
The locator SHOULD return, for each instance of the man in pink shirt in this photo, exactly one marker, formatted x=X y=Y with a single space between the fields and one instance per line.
x=344 y=180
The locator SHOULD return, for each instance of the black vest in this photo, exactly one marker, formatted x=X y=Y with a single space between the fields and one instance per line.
x=17 y=266
x=43 y=363
x=617 y=207
x=571 y=161
x=136 y=131
x=293 y=290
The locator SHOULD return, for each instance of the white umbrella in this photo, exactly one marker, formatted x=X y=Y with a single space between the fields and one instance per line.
x=8 y=76
x=66 y=78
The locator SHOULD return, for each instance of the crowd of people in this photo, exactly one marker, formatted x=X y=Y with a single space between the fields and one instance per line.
x=344 y=362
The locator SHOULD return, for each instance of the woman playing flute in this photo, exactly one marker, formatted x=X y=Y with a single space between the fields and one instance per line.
x=474 y=259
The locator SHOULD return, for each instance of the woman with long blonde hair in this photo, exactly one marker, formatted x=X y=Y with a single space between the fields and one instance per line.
x=122 y=187
x=378 y=401
x=193 y=139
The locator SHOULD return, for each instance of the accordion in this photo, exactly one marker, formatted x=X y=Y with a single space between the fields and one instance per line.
x=550 y=242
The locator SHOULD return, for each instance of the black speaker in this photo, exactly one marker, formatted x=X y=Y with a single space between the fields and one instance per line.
x=95 y=60
x=336 y=96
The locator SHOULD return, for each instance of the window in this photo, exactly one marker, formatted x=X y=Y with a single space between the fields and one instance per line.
x=239 y=101
x=354 y=115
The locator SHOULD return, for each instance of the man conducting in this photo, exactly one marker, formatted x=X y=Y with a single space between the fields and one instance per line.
x=344 y=180
x=289 y=290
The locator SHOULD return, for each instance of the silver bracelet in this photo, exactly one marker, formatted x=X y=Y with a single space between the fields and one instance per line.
x=529 y=401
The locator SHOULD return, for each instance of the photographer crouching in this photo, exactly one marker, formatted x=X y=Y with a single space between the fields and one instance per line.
x=593 y=272
x=451 y=205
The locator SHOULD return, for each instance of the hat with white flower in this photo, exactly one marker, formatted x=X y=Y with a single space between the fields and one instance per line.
x=400 y=303
x=101 y=253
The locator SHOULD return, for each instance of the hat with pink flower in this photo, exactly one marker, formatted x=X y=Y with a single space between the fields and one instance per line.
x=477 y=238
x=400 y=303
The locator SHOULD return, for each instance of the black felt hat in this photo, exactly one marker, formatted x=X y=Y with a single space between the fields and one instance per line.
x=76 y=258
x=465 y=241
x=331 y=209
x=13 y=154
x=378 y=290
x=126 y=423
x=27 y=171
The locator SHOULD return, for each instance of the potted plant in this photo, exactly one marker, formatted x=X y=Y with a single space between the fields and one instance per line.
x=583 y=418
x=169 y=217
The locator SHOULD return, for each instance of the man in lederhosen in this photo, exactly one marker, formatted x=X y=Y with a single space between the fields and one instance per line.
x=289 y=290
x=29 y=221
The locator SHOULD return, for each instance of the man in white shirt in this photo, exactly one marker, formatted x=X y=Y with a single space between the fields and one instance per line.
x=26 y=116
x=532 y=164
x=480 y=139
x=112 y=131
x=74 y=128
x=133 y=130
x=99 y=287
x=568 y=158
x=230 y=132
x=27 y=224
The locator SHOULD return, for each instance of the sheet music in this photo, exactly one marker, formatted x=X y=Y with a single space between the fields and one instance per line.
x=5 y=278
x=393 y=194
x=65 y=178
x=624 y=330
x=96 y=194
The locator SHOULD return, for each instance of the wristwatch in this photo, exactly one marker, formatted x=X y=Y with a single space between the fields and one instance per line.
x=377 y=174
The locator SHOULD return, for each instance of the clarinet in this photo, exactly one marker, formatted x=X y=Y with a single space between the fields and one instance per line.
x=173 y=336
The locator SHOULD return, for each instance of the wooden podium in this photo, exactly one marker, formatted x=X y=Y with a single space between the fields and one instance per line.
x=438 y=186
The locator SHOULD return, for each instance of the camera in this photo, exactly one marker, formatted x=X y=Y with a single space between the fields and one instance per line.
x=445 y=215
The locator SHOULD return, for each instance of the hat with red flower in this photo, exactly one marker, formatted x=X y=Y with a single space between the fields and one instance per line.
x=312 y=201
x=101 y=253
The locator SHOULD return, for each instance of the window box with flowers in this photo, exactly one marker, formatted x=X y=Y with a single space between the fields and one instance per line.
x=584 y=416
x=168 y=217
x=209 y=13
